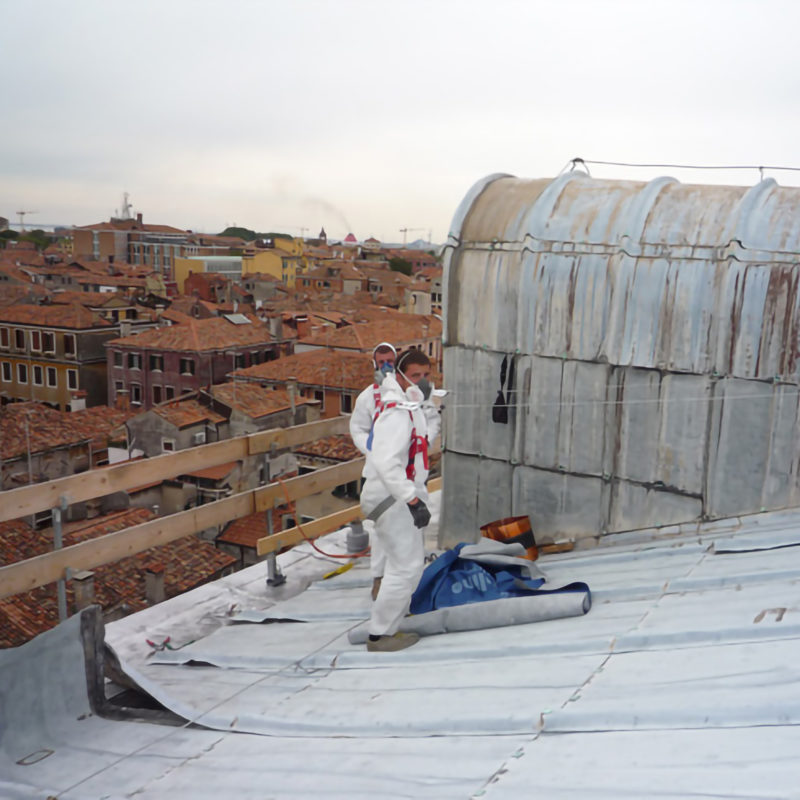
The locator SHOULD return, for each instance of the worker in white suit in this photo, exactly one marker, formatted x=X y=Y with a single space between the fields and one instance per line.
x=383 y=357
x=394 y=494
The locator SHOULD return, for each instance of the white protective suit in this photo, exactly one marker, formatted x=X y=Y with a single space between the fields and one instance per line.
x=385 y=472
x=360 y=427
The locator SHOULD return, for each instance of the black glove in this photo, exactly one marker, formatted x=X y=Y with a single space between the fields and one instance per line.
x=420 y=513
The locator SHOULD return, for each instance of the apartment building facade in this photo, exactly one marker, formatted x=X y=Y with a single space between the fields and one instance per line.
x=164 y=363
x=49 y=354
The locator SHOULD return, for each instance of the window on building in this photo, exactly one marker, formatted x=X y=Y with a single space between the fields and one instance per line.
x=168 y=445
x=134 y=360
x=38 y=375
x=156 y=395
x=7 y=371
x=318 y=395
x=187 y=366
x=118 y=358
x=36 y=341
x=72 y=379
x=19 y=339
x=157 y=363
x=239 y=361
x=22 y=373
x=69 y=344
x=136 y=394
x=48 y=342
x=118 y=387
x=347 y=403
x=4 y=338
x=169 y=392
x=52 y=377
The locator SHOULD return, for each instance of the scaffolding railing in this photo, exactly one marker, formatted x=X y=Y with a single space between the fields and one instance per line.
x=60 y=564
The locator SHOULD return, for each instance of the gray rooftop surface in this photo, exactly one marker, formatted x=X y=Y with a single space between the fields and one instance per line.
x=683 y=681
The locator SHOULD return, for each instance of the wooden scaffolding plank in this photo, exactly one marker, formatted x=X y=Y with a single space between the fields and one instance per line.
x=27 y=500
x=50 y=567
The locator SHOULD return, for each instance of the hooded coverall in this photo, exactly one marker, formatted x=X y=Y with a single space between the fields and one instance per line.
x=386 y=476
x=360 y=426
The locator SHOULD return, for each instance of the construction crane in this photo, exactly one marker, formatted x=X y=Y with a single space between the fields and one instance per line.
x=21 y=215
x=404 y=231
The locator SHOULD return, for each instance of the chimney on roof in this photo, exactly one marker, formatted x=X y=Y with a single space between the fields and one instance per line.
x=154 y=584
x=139 y=218
x=275 y=326
x=302 y=327
x=77 y=400
x=291 y=388
x=124 y=328
x=83 y=586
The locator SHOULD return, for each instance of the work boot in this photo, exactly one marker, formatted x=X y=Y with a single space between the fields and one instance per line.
x=376 y=587
x=387 y=644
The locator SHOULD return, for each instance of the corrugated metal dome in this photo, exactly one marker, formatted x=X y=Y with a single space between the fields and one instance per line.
x=652 y=333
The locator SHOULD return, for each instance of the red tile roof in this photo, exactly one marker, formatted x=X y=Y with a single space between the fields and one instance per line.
x=73 y=316
x=246 y=531
x=200 y=335
x=12 y=294
x=188 y=562
x=253 y=400
x=184 y=413
x=324 y=368
x=338 y=447
x=84 y=279
x=90 y=299
x=47 y=428
x=364 y=336
x=129 y=225
x=214 y=473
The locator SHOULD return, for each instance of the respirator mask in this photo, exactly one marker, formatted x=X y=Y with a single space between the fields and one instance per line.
x=418 y=392
x=381 y=372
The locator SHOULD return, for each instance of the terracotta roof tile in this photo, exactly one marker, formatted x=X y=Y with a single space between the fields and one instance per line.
x=254 y=400
x=109 y=280
x=327 y=368
x=216 y=473
x=89 y=299
x=246 y=531
x=47 y=428
x=200 y=335
x=339 y=447
x=188 y=562
x=73 y=316
x=183 y=413
x=130 y=225
x=364 y=336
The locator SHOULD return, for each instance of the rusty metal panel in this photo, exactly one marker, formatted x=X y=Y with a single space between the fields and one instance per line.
x=639 y=315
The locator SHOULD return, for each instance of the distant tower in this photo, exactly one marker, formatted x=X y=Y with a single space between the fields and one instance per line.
x=126 y=207
x=323 y=237
x=125 y=212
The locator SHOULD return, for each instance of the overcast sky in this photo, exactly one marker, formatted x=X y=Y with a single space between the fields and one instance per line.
x=373 y=115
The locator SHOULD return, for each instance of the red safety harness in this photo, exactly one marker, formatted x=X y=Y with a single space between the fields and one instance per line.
x=419 y=444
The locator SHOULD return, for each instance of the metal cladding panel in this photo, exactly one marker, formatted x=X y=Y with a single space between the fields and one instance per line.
x=467 y=418
x=560 y=504
x=561 y=415
x=603 y=291
x=633 y=507
x=754 y=447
